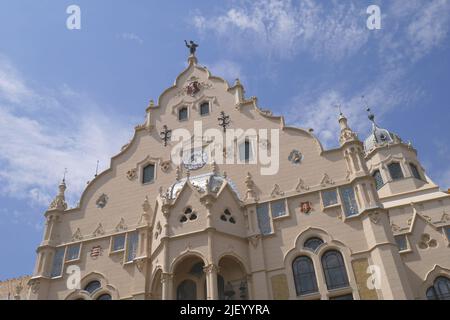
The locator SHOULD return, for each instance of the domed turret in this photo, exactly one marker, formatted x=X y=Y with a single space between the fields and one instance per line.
x=379 y=136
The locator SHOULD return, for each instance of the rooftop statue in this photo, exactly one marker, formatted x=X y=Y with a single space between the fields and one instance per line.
x=192 y=46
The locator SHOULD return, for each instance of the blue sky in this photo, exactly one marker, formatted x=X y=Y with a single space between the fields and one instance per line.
x=71 y=97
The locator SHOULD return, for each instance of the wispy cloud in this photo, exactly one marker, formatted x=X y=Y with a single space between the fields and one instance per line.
x=229 y=70
x=131 y=37
x=72 y=132
x=333 y=30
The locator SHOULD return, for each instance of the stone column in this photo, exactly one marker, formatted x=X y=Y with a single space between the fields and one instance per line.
x=212 y=292
x=167 y=286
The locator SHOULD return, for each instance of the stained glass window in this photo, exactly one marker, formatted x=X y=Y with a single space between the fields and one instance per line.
x=349 y=201
x=57 y=262
x=447 y=231
x=304 y=276
x=118 y=242
x=415 y=171
x=440 y=289
x=329 y=198
x=378 y=179
x=73 y=252
x=148 y=174
x=132 y=245
x=262 y=212
x=334 y=269
x=278 y=208
x=395 y=171
x=313 y=243
x=401 y=242
x=92 y=286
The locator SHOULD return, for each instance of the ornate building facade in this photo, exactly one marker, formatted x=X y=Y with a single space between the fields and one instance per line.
x=362 y=221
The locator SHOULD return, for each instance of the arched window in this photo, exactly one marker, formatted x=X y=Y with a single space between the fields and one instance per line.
x=187 y=290
x=104 y=297
x=204 y=109
x=395 y=170
x=304 y=276
x=440 y=289
x=92 y=286
x=183 y=114
x=313 y=243
x=148 y=174
x=378 y=179
x=334 y=270
x=415 y=171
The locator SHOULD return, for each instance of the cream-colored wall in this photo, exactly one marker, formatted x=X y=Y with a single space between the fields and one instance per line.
x=367 y=235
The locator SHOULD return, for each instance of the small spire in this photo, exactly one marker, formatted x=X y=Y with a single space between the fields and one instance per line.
x=371 y=116
x=96 y=170
x=59 y=202
x=151 y=104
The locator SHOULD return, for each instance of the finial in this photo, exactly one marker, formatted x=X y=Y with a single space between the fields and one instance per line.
x=96 y=169
x=188 y=174
x=214 y=167
x=151 y=104
x=237 y=82
x=64 y=175
x=371 y=115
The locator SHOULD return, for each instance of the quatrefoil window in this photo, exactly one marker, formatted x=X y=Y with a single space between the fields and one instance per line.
x=227 y=217
x=188 y=215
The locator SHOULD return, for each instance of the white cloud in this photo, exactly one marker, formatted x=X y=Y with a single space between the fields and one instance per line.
x=284 y=28
x=73 y=132
x=320 y=111
x=131 y=36
x=227 y=69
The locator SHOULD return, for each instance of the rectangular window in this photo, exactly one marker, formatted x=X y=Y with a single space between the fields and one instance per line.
x=378 y=179
x=183 y=114
x=395 y=170
x=329 y=198
x=204 y=109
x=278 y=208
x=118 y=242
x=415 y=171
x=262 y=212
x=132 y=243
x=245 y=151
x=349 y=201
x=57 y=263
x=401 y=241
x=73 y=252
x=148 y=174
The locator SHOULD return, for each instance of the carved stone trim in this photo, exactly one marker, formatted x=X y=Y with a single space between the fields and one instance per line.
x=326 y=180
x=121 y=226
x=276 y=191
x=132 y=174
x=77 y=236
x=254 y=240
x=99 y=231
x=301 y=186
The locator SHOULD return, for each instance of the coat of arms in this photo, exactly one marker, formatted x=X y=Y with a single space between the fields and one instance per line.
x=193 y=88
x=305 y=207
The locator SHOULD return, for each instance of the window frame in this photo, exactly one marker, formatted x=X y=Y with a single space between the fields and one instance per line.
x=342 y=267
x=415 y=173
x=62 y=261
x=127 y=251
x=144 y=166
x=378 y=187
x=405 y=236
x=343 y=203
x=286 y=209
x=179 y=110
x=111 y=247
x=297 y=274
x=200 y=108
x=401 y=171
x=79 y=244
x=322 y=198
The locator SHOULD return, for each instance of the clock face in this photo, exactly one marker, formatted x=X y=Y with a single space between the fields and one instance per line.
x=194 y=159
